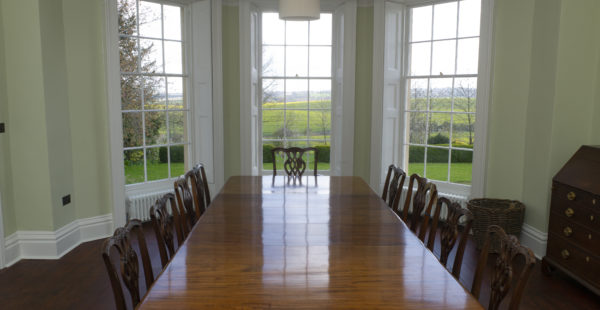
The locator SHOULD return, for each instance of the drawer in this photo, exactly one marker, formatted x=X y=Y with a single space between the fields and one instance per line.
x=565 y=194
x=575 y=233
x=576 y=213
x=574 y=259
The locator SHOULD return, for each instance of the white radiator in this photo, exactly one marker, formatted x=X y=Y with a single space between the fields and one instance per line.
x=138 y=206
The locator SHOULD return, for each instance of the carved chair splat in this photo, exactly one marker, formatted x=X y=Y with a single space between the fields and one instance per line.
x=164 y=225
x=419 y=219
x=187 y=208
x=449 y=232
x=502 y=276
x=294 y=165
x=129 y=265
x=392 y=188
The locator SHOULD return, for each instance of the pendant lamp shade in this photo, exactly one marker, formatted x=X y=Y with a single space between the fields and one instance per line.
x=299 y=9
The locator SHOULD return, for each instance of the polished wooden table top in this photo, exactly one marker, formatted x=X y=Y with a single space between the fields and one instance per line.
x=334 y=244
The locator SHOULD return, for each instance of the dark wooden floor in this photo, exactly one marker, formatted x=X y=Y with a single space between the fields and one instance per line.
x=79 y=281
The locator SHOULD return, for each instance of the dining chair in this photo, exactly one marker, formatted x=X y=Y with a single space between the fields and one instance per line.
x=194 y=180
x=202 y=174
x=450 y=232
x=128 y=263
x=392 y=188
x=502 y=275
x=424 y=198
x=294 y=165
x=164 y=224
x=188 y=210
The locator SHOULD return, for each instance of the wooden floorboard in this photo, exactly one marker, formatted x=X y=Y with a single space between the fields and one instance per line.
x=79 y=281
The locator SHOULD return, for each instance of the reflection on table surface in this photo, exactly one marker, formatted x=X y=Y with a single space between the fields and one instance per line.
x=330 y=242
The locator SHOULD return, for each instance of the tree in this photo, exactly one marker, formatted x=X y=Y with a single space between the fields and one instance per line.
x=468 y=92
x=134 y=86
x=418 y=121
x=324 y=117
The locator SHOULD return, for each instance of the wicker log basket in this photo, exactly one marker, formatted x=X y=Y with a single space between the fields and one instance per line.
x=507 y=214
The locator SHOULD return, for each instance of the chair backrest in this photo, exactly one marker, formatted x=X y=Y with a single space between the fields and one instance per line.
x=194 y=180
x=129 y=265
x=164 y=225
x=502 y=276
x=392 y=188
x=294 y=165
x=185 y=202
x=449 y=232
x=204 y=184
x=418 y=218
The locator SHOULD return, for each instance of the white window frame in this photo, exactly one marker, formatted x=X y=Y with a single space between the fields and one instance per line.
x=477 y=187
x=343 y=80
x=204 y=93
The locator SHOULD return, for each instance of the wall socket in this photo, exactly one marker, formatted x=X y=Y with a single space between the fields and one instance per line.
x=66 y=200
x=2 y=127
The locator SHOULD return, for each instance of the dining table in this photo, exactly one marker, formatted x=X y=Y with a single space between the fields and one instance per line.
x=326 y=242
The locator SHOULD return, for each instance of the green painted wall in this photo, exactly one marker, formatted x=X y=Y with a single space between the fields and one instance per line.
x=8 y=211
x=231 y=90
x=28 y=145
x=363 y=93
x=84 y=36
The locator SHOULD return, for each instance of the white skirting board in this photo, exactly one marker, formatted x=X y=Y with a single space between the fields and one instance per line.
x=55 y=244
x=534 y=239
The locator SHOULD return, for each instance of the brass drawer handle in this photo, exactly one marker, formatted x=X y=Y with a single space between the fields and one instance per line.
x=565 y=253
x=569 y=212
x=587 y=259
x=590 y=236
x=591 y=218
x=567 y=231
x=571 y=196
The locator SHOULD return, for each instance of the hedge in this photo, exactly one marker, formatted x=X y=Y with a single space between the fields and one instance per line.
x=177 y=154
x=416 y=154
x=324 y=153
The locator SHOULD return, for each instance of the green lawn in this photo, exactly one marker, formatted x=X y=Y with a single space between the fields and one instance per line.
x=459 y=172
x=156 y=171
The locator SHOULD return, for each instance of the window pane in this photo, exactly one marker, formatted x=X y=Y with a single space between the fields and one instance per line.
x=437 y=164
x=132 y=129
x=440 y=94
x=320 y=30
x=273 y=60
x=417 y=94
x=272 y=124
x=273 y=93
x=416 y=160
x=178 y=154
x=421 y=23
x=131 y=98
x=177 y=122
x=273 y=29
x=172 y=22
x=461 y=167
x=443 y=57
x=134 y=166
x=173 y=57
x=296 y=94
x=128 y=54
x=465 y=94
x=296 y=61
x=156 y=127
x=418 y=122
x=295 y=122
x=320 y=94
x=150 y=20
x=463 y=130
x=152 y=57
x=470 y=14
x=320 y=61
x=468 y=56
x=127 y=17
x=154 y=93
x=320 y=125
x=444 y=20
x=439 y=129
x=296 y=33
x=155 y=168
x=175 y=88
x=420 y=58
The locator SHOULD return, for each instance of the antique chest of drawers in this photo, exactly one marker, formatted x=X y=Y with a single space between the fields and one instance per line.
x=574 y=229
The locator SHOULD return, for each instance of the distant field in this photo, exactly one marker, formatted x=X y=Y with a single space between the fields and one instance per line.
x=156 y=171
x=459 y=172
